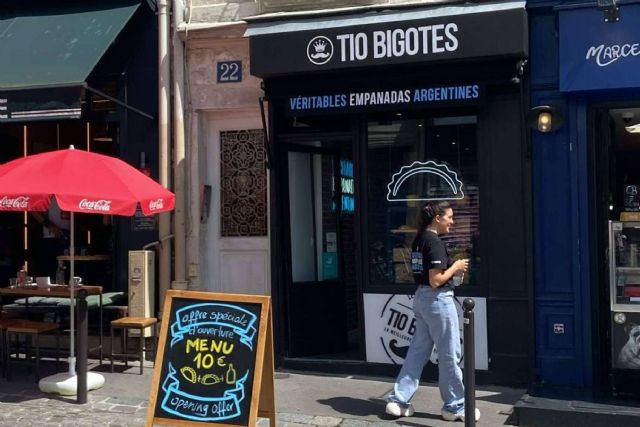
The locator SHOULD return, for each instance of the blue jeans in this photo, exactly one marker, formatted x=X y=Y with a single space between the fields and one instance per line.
x=436 y=323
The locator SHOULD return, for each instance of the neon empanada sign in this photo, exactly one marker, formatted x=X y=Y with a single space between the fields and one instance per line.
x=449 y=188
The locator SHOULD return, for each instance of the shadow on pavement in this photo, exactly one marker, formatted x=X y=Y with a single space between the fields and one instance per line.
x=363 y=408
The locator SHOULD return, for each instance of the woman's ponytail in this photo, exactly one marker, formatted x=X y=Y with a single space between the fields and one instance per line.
x=429 y=211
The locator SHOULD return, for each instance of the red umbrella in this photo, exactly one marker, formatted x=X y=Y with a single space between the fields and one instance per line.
x=81 y=182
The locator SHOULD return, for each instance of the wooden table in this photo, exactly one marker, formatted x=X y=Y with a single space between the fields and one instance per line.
x=55 y=291
x=84 y=258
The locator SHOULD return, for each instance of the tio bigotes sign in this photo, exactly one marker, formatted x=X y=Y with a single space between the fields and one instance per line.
x=211 y=356
x=390 y=325
x=392 y=38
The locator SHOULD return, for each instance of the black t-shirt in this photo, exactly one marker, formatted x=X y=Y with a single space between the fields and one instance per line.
x=428 y=252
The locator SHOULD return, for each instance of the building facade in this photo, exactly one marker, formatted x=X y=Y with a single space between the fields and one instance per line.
x=583 y=66
x=227 y=238
x=82 y=75
x=362 y=113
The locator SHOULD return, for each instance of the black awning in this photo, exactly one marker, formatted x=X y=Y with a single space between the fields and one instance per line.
x=290 y=45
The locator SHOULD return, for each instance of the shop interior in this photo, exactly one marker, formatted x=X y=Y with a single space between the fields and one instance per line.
x=410 y=161
x=325 y=220
x=25 y=241
x=618 y=133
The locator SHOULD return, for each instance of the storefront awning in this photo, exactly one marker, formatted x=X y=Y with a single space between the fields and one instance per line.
x=445 y=33
x=48 y=50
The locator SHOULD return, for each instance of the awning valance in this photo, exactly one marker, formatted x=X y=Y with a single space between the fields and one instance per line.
x=48 y=50
x=422 y=35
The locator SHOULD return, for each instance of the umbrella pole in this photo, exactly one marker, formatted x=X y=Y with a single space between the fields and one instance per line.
x=72 y=332
x=70 y=383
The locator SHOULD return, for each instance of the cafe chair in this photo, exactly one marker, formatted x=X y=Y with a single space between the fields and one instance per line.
x=139 y=324
x=29 y=331
x=5 y=321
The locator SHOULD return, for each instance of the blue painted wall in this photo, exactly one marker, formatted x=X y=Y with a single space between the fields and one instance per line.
x=560 y=201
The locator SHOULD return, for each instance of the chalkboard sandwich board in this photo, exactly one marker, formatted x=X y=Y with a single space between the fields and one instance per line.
x=215 y=361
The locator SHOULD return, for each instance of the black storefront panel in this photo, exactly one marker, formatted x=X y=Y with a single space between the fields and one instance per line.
x=340 y=102
x=494 y=34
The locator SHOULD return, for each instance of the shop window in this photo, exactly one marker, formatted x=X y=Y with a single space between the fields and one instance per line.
x=410 y=162
x=243 y=184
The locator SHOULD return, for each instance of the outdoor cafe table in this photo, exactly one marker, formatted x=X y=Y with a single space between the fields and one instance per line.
x=55 y=291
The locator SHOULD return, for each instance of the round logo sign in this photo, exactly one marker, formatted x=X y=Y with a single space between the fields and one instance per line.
x=320 y=50
x=400 y=326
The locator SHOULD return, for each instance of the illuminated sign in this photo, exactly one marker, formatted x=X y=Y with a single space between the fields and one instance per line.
x=347 y=186
x=391 y=98
x=424 y=181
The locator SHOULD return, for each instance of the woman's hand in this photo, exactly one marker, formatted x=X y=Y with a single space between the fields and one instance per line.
x=461 y=265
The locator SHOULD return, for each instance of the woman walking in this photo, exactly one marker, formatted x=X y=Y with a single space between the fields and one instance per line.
x=436 y=318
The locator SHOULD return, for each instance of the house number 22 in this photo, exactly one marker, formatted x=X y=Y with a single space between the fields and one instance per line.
x=229 y=71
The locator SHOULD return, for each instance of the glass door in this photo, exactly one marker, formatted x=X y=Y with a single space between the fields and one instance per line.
x=320 y=251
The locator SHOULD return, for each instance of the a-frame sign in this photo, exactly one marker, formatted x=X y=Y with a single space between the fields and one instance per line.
x=214 y=364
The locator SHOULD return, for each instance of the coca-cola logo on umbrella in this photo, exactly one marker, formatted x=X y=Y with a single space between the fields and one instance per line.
x=154 y=205
x=101 y=205
x=20 y=202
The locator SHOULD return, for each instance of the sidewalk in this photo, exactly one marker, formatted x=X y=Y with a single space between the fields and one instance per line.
x=302 y=400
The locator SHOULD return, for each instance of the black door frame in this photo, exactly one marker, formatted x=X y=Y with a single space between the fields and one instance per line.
x=599 y=130
x=282 y=256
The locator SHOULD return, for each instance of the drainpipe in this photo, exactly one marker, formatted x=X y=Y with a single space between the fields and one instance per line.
x=193 y=236
x=164 y=220
x=180 y=281
x=192 y=169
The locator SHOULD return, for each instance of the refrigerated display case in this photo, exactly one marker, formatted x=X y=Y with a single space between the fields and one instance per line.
x=624 y=284
x=624 y=265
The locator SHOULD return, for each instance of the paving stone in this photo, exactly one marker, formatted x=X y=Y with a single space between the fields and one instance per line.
x=326 y=421
x=131 y=401
x=294 y=418
x=123 y=409
x=365 y=423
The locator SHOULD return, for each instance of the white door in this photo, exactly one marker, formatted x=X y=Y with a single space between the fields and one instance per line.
x=234 y=252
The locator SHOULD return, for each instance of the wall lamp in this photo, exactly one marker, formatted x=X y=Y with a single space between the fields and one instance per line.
x=545 y=118
x=610 y=9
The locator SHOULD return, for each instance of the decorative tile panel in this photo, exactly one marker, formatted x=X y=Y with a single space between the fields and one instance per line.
x=243 y=183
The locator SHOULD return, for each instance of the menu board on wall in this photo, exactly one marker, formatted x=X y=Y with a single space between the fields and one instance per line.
x=215 y=361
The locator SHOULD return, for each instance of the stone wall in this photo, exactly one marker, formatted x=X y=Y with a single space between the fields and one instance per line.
x=206 y=92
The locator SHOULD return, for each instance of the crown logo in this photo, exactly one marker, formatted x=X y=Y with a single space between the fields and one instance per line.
x=319 y=46
x=319 y=50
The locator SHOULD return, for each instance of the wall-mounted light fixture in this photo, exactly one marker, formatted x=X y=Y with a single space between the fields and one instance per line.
x=545 y=118
x=633 y=128
x=610 y=9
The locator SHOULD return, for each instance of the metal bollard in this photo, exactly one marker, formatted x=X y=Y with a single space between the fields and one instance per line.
x=83 y=346
x=469 y=364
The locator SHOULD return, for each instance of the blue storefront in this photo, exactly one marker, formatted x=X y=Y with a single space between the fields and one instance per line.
x=585 y=68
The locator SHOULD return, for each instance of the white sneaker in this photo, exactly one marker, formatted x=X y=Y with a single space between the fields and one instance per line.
x=448 y=416
x=396 y=409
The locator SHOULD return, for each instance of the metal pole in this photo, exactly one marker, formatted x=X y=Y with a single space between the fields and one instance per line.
x=83 y=346
x=469 y=364
x=179 y=158
x=72 y=299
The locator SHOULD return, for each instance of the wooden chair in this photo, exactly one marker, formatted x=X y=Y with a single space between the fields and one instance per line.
x=30 y=329
x=5 y=321
x=136 y=323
